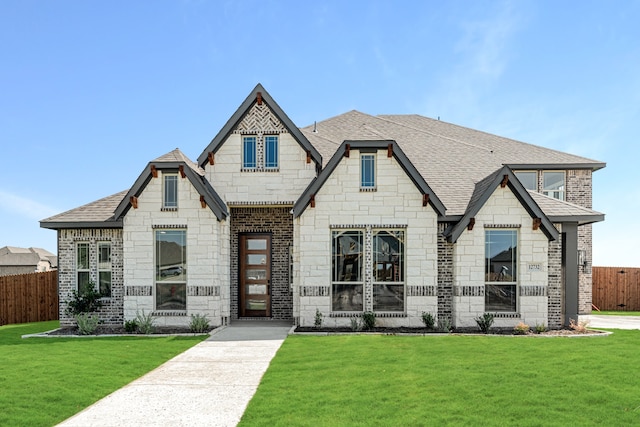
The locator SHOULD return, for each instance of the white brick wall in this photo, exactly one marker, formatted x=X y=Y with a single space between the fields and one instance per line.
x=207 y=252
x=340 y=202
x=285 y=185
x=469 y=262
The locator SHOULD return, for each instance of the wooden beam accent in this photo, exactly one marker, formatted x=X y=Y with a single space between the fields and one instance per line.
x=313 y=200
x=211 y=159
x=203 y=203
x=134 y=202
x=472 y=222
x=259 y=98
x=308 y=156
x=505 y=179
x=390 y=150
x=181 y=169
x=537 y=222
x=154 y=171
x=347 y=148
x=425 y=199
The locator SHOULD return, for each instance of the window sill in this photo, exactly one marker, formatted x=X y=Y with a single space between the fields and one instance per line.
x=173 y=313
x=368 y=189
x=169 y=209
x=255 y=170
x=506 y=315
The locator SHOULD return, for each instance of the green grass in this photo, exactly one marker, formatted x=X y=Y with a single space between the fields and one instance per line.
x=450 y=380
x=46 y=380
x=617 y=313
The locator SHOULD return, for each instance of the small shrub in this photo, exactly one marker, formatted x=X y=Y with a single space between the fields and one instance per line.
x=521 y=329
x=428 y=320
x=145 y=323
x=356 y=325
x=87 y=323
x=540 y=328
x=444 y=325
x=131 y=326
x=368 y=320
x=484 y=322
x=580 y=326
x=317 y=322
x=199 y=323
x=85 y=300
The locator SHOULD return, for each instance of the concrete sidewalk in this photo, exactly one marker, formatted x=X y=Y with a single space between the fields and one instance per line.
x=208 y=385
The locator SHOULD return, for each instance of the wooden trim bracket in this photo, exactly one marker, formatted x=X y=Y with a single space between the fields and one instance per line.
x=505 y=180
x=181 y=169
x=472 y=222
x=537 y=222
x=313 y=200
x=425 y=199
x=203 y=203
x=390 y=150
x=154 y=171
x=347 y=149
x=308 y=156
x=134 y=202
x=259 y=98
x=211 y=158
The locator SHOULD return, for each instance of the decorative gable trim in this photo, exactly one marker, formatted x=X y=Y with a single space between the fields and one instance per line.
x=391 y=146
x=267 y=112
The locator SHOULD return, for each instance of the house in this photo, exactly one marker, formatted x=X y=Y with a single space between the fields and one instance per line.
x=395 y=214
x=15 y=260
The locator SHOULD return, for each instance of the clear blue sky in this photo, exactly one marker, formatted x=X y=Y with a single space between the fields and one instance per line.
x=90 y=91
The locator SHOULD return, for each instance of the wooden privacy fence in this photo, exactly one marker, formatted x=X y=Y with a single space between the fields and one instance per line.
x=29 y=297
x=616 y=288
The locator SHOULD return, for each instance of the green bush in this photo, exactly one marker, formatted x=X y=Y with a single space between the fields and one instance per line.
x=145 y=323
x=317 y=322
x=368 y=320
x=131 y=326
x=540 y=328
x=356 y=325
x=428 y=320
x=444 y=325
x=521 y=328
x=199 y=323
x=86 y=300
x=87 y=323
x=484 y=322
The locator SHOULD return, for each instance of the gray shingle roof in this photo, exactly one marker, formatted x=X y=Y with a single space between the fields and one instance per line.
x=91 y=215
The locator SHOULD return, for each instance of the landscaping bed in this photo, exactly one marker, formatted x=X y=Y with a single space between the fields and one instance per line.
x=425 y=331
x=120 y=330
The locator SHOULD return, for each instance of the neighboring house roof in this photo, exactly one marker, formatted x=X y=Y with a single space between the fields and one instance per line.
x=11 y=256
x=263 y=95
x=98 y=214
x=451 y=158
x=175 y=160
x=485 y=188
x=339 y=154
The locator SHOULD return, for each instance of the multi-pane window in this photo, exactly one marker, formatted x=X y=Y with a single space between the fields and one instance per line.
x=553 y=184
x=82 y=265
x=501 y=275
x=529 y=179
x=171 y=269
x=367 y=171
x=346 y=270
x=249 y=152
x=170 y=191
x=270 y=151
x=104 y=269
x=388 y=277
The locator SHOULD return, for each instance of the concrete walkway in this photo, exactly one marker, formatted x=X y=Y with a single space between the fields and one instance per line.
x=612 y=322
x=208 y=385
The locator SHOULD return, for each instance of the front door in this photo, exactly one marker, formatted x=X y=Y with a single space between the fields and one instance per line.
x=255 y=275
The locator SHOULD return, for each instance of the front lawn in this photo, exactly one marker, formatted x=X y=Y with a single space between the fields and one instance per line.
x=450 y=380
x=617 y=313
x=46 y=380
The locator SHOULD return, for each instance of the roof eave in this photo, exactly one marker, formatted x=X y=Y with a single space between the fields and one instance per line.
x=59 y=225
x=556 y=166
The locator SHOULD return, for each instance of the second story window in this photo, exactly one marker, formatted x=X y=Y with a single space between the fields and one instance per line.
x=367 y=172
x=529 y=179
x=270 y=152
x=170 y=191
x=249 y=152
x=553 y=184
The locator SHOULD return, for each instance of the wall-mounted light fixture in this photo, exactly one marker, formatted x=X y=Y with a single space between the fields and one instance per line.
x=582 y=257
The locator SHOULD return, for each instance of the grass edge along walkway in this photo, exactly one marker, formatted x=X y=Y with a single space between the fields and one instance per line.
x=46 y=380
x=450 y=380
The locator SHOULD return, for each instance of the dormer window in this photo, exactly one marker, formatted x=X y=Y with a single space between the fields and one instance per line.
x=170 y=191
x=249 y=152
x=368 y=172
x=260 y=153
x=270 y=152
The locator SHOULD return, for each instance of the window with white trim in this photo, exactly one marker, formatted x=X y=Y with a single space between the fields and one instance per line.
x=271 y=151
x=171 y=269
x=367 y=171
x=528 y=179
x=170 y=191
x=553 y=184
x=501 y=271
x=249 y=152
x=104 y=269
x=82 y=266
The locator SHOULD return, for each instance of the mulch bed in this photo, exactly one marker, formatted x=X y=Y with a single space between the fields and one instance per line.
x=423 y=331
x=119 y=330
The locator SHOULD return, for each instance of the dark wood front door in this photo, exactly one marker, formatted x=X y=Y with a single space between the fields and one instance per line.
x=255 y=275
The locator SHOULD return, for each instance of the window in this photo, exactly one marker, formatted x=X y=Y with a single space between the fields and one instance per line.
x=249 y=157
x=171 y=269
x=367 y=171
x=501 y=274
x=553 y=184
x=170 y=199
x=388 y=275
x=82 y=266
x=270 y=152
x=104 y=269
x=528 y=179
x=347 y=282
